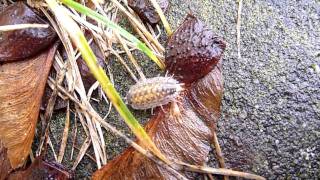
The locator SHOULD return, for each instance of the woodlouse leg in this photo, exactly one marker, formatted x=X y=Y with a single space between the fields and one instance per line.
x=162 y=109
x=175 y=110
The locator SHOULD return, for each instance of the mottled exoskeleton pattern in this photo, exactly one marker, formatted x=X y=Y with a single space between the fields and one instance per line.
x=154 y=92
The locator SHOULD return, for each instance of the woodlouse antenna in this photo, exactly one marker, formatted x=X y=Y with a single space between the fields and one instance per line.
x=166 y=75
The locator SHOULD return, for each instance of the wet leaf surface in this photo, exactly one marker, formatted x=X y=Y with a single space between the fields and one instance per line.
x=41 y=169
x=206 y=95
x=186 y=139
x=5 y=167
x=21 y=88
x=20 y=44
x=193 y=50
x=87 y=77
x=146 y=11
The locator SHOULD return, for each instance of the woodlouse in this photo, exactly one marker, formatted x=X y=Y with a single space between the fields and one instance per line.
x=153 y=92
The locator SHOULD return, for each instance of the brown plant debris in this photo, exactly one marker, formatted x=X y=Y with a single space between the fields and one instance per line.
x=193 y=50
x=187 y=139
x=87 y=77
x=23 y=43
x=5 y=167
x=21 y=88
x=41 y=169
x=146 y=11
x=59 y=104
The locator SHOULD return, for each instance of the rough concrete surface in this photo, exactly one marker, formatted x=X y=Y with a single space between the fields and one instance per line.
x=270 y=121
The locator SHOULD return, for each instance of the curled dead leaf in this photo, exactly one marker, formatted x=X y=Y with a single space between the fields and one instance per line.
x=20 y=44
x=41 y=169
x=146 y=11
x=5 y=167
x=186 y=139
x=193 y=50
x=206 y=94
x=87 y=76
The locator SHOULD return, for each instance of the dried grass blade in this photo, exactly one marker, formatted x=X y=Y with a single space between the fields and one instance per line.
x=136 y=22
x=74 y=135
x=87 y=154
x=219 y=171
x=132 y=59
x=52 y=148
x=98 y=17
x=22 y=26
x=124 y=64
x=49 y=111
x=162 y=17
x=64 y=135
x=82 y=152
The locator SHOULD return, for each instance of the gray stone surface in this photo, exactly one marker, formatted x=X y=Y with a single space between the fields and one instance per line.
x=270 y=121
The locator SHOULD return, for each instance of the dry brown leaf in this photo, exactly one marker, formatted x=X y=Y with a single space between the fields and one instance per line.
x=22 y=82
x=21 y=88
x=206 y=95
x=187 y=139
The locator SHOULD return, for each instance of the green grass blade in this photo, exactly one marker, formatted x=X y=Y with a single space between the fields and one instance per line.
x=98 y=17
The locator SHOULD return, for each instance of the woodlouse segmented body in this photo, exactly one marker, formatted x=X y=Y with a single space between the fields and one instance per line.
x=154 y=92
